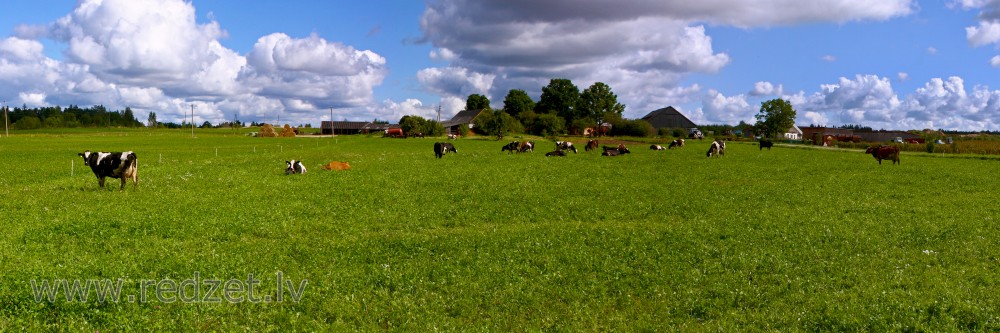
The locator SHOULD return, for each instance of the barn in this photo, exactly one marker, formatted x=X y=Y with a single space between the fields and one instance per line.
x=353 y=127
x=464 y=118
x=668 y=117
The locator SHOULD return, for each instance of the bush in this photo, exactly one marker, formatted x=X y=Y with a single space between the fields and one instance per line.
x=637 y=128
x=267 y=131
x=28 y=123
x=664 y=132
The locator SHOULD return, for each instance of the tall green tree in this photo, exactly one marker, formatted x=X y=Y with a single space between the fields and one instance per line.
x=413 y=124
x=517 y=102
x=598 y=101
x=560 y=97
x=775 y=117
x=477 y=102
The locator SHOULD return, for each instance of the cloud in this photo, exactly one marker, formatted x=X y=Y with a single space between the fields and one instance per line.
x=903 y=76
x=455 y=81
x=153 y=56
x=932 y=50
x=872 y=101
x=718 y=108
x=828 y=58
x=763 y=88
x=995 y=61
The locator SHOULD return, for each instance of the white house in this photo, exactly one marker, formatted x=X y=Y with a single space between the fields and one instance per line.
x=793 y=133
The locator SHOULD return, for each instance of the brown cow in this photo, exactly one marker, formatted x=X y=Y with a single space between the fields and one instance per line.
x=591 y=145
x=884 y=153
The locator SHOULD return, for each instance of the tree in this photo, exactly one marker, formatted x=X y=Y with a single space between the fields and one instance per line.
x=549 y=124
x=775 y=117
x=517 y=102
x=151 y=120
x=598 y=101
x=560 y=98
x=413 y=124
x=477 y=102
x=497 y=123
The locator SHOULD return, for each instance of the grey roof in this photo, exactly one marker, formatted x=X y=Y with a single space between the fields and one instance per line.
x=668 y=117
x=344 y=125
x=463 y=117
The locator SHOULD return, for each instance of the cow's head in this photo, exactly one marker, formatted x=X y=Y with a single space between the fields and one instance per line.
x=86 y=156
x=290 y=167
x=870 y=150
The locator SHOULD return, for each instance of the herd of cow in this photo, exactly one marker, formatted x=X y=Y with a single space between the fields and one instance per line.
x=125 y=165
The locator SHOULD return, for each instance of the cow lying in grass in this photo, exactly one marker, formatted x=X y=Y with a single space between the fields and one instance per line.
x=884 y=153
x=555 y=153
x=294 y=167
x=679 y=143
x=657 y=147
x=123 y=165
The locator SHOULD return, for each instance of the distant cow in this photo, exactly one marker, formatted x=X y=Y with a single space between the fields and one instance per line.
x=511 y=147
x=565 y=145
x=679 y=143
x=441 y=148
x=123 y=165
x=526 y=146
x=884 y=153
x=591 y=145
x=657 y=147
x=294 y=167
x=452 y=137
x=556 y=153
x=714 y=149
x=766 y=144
x=611 y=152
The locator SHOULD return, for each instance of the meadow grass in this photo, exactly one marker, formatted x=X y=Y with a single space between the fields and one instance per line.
x=785 y=240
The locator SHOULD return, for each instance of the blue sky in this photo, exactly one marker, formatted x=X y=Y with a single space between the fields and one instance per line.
x=900 y=64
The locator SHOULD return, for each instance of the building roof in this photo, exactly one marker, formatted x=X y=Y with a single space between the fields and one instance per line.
x=344 y=125
x=463 y=117
x=668 y=117
x=794 y=129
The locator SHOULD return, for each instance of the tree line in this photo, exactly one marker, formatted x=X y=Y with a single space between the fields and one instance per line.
x=72 y=116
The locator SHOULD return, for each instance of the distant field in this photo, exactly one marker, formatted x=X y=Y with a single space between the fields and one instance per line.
x=780 y=240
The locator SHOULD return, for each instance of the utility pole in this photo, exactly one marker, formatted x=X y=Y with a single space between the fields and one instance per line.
x=332 y=130
x=192 y=120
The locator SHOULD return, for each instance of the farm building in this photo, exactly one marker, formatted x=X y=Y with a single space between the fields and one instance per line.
x=668 y=117
x=819 y=134
x=353 y=127
x=885 y=136
x=793 y=133
x=463 y=118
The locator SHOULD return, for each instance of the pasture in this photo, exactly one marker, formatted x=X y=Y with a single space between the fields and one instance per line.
x=786 y=240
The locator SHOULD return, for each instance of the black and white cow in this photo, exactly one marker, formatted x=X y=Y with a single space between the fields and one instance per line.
x=565 y=145
x=657 y=147
x=679 y=143
x=714 y=149
x=555 y=153
x=511 y=147
x=441 y=148
x=527 y=146
x=621 y=149
x=123 y=165
x=722 y=147
x=611 y=152
x=294 y=166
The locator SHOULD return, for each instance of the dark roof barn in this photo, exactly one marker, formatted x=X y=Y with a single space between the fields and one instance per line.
x=668 y=117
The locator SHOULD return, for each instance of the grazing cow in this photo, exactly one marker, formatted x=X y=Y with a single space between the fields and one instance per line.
x=452 y=137
x=884 y=153
x=441 y=148
x=526 y=146
x=418 y=135
x=295 y=167
x=555 y=153
x=722 y=147
x=657 y=147
x=679 y=143
x=591 y=145
x=714 y=149
x=511 y=147
x=565 y=145
x=123 y=165
x=766 y=144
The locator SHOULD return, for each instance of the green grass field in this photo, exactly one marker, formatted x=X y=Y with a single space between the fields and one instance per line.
x=785 y=240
